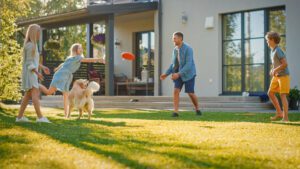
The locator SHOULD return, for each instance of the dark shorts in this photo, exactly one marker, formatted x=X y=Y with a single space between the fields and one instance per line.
x=188 y=85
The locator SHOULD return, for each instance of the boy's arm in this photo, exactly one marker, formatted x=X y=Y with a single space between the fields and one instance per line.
x=91 y=60
x=282 y=58
x=282 y=66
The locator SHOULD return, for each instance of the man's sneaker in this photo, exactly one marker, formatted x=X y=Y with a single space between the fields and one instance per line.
x=42 y=120
x=22 y=119
x=175 y=114
x=198 y=113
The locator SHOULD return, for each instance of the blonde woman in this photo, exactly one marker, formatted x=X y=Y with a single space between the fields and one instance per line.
x=30 y=74
x=64 y=73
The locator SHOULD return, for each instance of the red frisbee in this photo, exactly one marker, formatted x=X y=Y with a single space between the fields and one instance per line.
x=128 y=56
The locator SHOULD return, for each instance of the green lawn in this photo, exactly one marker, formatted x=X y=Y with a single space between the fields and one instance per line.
x=149 y=139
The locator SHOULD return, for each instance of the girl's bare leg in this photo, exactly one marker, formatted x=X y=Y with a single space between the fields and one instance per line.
x=46 y=91
x=35 y=94
x=24 y=103
x=66 y=103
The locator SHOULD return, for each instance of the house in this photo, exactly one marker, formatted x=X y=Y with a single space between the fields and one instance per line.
x=227 y=36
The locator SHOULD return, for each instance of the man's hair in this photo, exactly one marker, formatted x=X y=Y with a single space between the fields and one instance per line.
x=273 y=36
x=179 y=34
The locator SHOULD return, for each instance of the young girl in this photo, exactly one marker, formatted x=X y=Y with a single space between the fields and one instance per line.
x=64 y=74
x=30 y=74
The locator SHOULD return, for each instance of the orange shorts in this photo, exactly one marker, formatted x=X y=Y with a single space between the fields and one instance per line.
x=280 y=85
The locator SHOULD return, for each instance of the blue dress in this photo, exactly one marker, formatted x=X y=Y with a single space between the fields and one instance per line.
x=30 y=61
x=62 y=78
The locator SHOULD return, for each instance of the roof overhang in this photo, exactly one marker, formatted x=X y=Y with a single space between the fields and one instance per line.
x=90 y=14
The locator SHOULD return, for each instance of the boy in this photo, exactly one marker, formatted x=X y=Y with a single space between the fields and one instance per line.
x=280 y=82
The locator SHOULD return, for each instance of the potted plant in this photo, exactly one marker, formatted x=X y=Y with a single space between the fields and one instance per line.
x=294 y=98
x=98 y=40
x=52 y=44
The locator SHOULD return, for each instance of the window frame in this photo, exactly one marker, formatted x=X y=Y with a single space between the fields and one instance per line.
x=243 y=39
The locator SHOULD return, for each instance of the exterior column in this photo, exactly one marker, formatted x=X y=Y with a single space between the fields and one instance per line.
x=109 y=55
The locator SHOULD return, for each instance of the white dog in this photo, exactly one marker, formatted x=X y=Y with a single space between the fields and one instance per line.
x=81 y=96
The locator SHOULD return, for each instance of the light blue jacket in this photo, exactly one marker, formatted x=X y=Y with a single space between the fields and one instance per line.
x=187 y=69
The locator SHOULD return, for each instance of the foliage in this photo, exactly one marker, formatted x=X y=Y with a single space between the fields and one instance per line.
x=50 y=7
x=52 y=47
x=294 y=94
x=10 y=50
x=66 y=36
x=98 y=40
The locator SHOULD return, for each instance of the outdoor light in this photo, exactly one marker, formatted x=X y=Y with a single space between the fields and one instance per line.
x=117 y=42
x=184 y=18
x=209 y=22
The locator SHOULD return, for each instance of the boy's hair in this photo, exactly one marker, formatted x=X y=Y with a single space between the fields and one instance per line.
x=74 y=49
x=179 y=34
x=31 y=36
x=273 y=36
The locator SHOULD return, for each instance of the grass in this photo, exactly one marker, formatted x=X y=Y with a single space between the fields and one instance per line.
x=149 y=139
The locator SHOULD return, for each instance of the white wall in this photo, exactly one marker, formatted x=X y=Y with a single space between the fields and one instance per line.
x=207 y=43
x=293 y=40
x=125 y=26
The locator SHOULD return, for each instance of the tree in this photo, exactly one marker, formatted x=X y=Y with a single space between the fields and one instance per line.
x=10 y=50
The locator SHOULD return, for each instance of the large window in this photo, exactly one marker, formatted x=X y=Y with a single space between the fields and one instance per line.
x=246 y=60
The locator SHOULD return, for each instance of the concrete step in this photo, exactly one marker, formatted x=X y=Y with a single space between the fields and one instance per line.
x=167 y=98
x=228 y=103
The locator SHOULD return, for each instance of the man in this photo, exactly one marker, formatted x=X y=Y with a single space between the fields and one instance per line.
x=183 y=72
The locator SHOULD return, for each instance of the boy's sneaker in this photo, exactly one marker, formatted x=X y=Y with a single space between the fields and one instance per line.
x=174 y=114
x=42 y=120
x=198 y=113
x=22 y=119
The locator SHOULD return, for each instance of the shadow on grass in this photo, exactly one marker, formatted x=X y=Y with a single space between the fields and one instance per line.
x=74 y=133
x=190 y=116
x=17 y=142
x=77 y=134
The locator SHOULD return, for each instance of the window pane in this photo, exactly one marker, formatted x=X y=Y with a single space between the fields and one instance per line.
x=144 y=50
x=232 y=52
x=232 y=78
x=255 y=51
x=277 y=21
x=254 y=24
x=232 y=26
x=255 y=78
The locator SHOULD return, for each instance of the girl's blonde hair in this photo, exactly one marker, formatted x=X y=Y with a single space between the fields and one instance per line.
x=31 y=36
x=74 y=48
